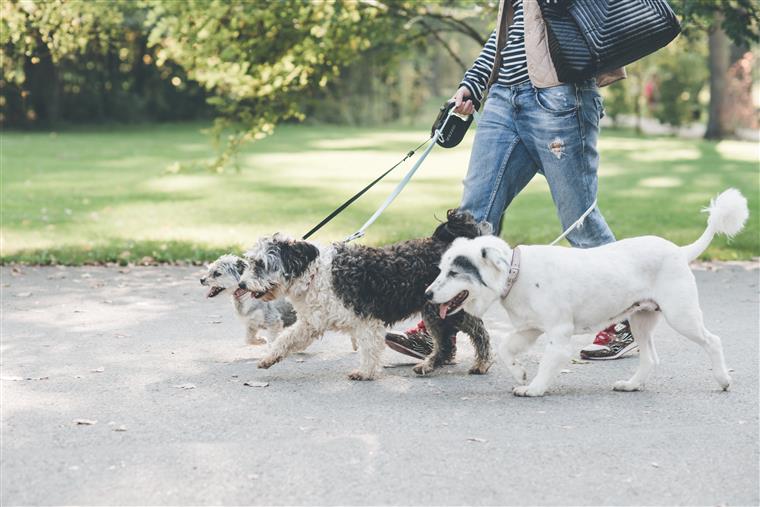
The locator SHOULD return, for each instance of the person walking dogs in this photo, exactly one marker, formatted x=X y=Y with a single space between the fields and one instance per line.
x=531 y=123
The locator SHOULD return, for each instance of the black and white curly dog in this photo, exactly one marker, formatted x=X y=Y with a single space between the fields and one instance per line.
x=360 y=290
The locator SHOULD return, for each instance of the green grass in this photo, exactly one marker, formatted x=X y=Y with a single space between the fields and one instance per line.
x=97 y=195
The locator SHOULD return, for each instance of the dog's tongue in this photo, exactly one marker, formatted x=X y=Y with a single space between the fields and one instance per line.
x=240 y=293
x=443 y=310
x=210 y=292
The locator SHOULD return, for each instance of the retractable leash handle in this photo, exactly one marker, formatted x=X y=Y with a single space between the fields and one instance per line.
x=453 y=126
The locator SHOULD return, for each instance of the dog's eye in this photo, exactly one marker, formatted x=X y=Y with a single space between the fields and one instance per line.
x=216 y=274
x=452 y=274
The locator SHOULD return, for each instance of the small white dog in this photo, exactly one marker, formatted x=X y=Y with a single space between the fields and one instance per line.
x=267 y=318
x=557 y=292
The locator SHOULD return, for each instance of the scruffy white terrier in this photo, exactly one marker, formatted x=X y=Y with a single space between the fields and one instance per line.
x=557 y=292
x=263 y=320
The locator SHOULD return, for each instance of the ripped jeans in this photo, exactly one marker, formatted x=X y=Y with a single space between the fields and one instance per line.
x=552 y=131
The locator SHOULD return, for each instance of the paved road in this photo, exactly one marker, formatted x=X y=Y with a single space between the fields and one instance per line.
x=110 y=346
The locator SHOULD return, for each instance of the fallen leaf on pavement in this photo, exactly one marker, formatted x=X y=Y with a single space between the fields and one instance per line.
x=23 y=294
x=98 y=370
x=256 y=384
x=579 y=361
x=566 y=371
x=120 y=428
x=85 y=422
x=476 y=439
x=655 y=464
x=188 y=385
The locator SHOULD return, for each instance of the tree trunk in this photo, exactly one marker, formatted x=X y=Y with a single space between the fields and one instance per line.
x=720 y=57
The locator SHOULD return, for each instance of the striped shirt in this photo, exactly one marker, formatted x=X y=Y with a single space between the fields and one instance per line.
x=514 y=66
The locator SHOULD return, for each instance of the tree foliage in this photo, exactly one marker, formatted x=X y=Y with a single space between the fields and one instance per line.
x=740 y=18
x=256 y=62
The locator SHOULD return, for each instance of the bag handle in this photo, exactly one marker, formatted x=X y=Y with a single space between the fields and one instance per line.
x=501 y=40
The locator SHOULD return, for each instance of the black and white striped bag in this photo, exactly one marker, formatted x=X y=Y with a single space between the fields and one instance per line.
x=588 y=37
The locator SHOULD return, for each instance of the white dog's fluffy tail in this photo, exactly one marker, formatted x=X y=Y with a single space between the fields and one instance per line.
x=728 y=213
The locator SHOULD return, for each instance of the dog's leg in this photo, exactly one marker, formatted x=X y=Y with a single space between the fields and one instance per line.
x=251 y=334
x=685 y=317
x=642 y=327
x=557 y=354
x=513 y=345
x=441 y=331
x=295 y=338
x=371 y=344
x=480 y=339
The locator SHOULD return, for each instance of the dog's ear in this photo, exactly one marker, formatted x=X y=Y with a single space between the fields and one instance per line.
x=296 y=257
x=495 y=257
x=459 y=224
x=240 y=266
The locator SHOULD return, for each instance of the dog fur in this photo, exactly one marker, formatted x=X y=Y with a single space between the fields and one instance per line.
x=564 y=291
x=267 y=318
x=359 y=290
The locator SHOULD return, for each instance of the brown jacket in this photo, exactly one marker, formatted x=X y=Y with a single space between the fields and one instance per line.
x=540 y=66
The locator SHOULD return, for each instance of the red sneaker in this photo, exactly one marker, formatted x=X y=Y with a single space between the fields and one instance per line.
x=612 y=343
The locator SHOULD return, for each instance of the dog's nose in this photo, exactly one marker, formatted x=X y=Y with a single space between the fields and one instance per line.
x=203 y=280
x=243 y=286
x=428 y=295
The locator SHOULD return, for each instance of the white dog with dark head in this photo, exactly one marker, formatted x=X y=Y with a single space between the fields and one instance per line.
x=557 y=292
x=263 y=320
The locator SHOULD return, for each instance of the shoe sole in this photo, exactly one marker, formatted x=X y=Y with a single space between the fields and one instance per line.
x=403 y=350
x=626 y=350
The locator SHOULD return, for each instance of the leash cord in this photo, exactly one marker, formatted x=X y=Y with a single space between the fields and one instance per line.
x=575 y=224
x=351 y=200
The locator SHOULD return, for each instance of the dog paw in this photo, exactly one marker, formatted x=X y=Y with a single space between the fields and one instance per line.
x=724 y=381
x=423 y=368
x=480 y=368
x=625 y=386
x=266 y=362
x=526 y=392
x=358 y=375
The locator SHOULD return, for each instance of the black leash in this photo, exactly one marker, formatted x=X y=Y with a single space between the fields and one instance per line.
x=361 y=192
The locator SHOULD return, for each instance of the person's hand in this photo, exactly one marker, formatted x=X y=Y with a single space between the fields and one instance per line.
x=462 y=103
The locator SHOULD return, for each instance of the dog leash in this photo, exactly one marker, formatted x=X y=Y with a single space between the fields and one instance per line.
x=396 y=191
x=360 y=193
x=575 y=224
x=399 y=187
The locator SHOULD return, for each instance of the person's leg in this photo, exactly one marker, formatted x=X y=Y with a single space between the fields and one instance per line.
x=560 y=128
x=500 y=166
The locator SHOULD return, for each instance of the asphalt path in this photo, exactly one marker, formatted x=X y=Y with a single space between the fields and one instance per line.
x=124 y=386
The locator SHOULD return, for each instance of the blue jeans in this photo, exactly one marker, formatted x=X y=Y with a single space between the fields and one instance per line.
x=552 y=131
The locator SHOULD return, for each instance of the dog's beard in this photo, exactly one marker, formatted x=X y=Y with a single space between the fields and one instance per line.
x=453 y=305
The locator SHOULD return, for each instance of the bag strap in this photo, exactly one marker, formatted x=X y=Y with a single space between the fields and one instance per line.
x=501 y=39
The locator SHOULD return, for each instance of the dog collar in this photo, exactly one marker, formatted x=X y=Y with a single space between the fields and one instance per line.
x=514 y=270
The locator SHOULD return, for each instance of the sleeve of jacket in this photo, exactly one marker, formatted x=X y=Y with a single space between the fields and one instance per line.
x=476 y=79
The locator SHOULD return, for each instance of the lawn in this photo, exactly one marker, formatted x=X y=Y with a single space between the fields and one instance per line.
x=104 y=194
